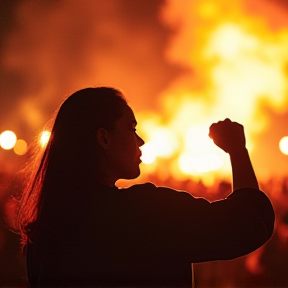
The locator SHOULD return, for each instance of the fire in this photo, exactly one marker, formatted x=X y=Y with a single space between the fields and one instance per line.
x=163 y=143
x=148 y=153
x=188 y=147
x=234 y=59
x=239 y=65
x=198 y=165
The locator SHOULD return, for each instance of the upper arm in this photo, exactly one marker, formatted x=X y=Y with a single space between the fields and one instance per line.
x=223 y=229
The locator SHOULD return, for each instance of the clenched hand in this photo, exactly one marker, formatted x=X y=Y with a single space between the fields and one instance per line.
x=228 y=135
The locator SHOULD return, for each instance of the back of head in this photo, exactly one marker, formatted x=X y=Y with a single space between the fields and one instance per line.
x=71 y=162
x=74 y=148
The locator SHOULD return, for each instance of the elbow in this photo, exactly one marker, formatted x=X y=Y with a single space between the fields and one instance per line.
x=265 y=228
x=268 y=216
x=258 y=231
x=269 y=225
x=266 y=221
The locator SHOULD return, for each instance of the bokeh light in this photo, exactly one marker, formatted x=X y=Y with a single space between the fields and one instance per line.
x=20 y=147
x=44 y=138
x=7 y=140
x=283 y=145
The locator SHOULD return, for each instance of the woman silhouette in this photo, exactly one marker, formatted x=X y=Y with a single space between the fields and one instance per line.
x=79 y=230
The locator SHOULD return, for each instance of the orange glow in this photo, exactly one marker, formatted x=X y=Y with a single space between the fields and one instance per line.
x=199 y=165
x=200 y=154
x=20 y=147
x=283 y=145
x=148 y=153
x=44 y=138
x=238 y=63
x=228 y=59
x=163 y=141
x=189 y=145
x=7 y=140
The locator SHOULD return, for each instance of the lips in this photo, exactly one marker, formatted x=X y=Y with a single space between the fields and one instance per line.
x=139 y=156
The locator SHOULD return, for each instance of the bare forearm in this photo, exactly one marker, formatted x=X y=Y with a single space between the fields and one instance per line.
x=242 y=170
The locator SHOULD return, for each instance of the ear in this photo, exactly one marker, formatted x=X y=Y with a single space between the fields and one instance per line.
x=102 y=138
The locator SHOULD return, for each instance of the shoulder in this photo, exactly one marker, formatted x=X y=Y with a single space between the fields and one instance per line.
x=249 y=195
x=144 y=186
x=150 y=190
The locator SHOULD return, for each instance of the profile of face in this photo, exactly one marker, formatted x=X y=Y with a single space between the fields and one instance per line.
x=121 y=147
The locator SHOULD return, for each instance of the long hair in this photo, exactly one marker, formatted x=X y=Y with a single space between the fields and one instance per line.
x=71 y=157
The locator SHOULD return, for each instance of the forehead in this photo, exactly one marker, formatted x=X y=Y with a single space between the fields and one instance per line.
x=128 y=115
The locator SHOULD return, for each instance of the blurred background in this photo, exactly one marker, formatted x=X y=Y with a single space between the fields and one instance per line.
x=182 y=65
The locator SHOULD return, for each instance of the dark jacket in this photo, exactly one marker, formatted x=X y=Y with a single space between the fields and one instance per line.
x=143 y=236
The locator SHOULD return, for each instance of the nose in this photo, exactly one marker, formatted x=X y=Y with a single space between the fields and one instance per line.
x=140 y=141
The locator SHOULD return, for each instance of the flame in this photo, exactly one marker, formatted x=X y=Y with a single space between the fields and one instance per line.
x=233 y=54
x=238 y=63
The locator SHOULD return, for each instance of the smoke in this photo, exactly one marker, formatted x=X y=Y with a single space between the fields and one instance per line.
x=57 y=47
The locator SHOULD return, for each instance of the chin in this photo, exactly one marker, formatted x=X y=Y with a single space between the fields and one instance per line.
x=133 y=174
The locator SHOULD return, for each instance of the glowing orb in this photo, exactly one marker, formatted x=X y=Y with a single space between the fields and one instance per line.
x=283 y=145
x=7 y=140
x=20 y=147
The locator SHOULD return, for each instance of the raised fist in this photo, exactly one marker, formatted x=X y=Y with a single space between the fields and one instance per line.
x=228 y=135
